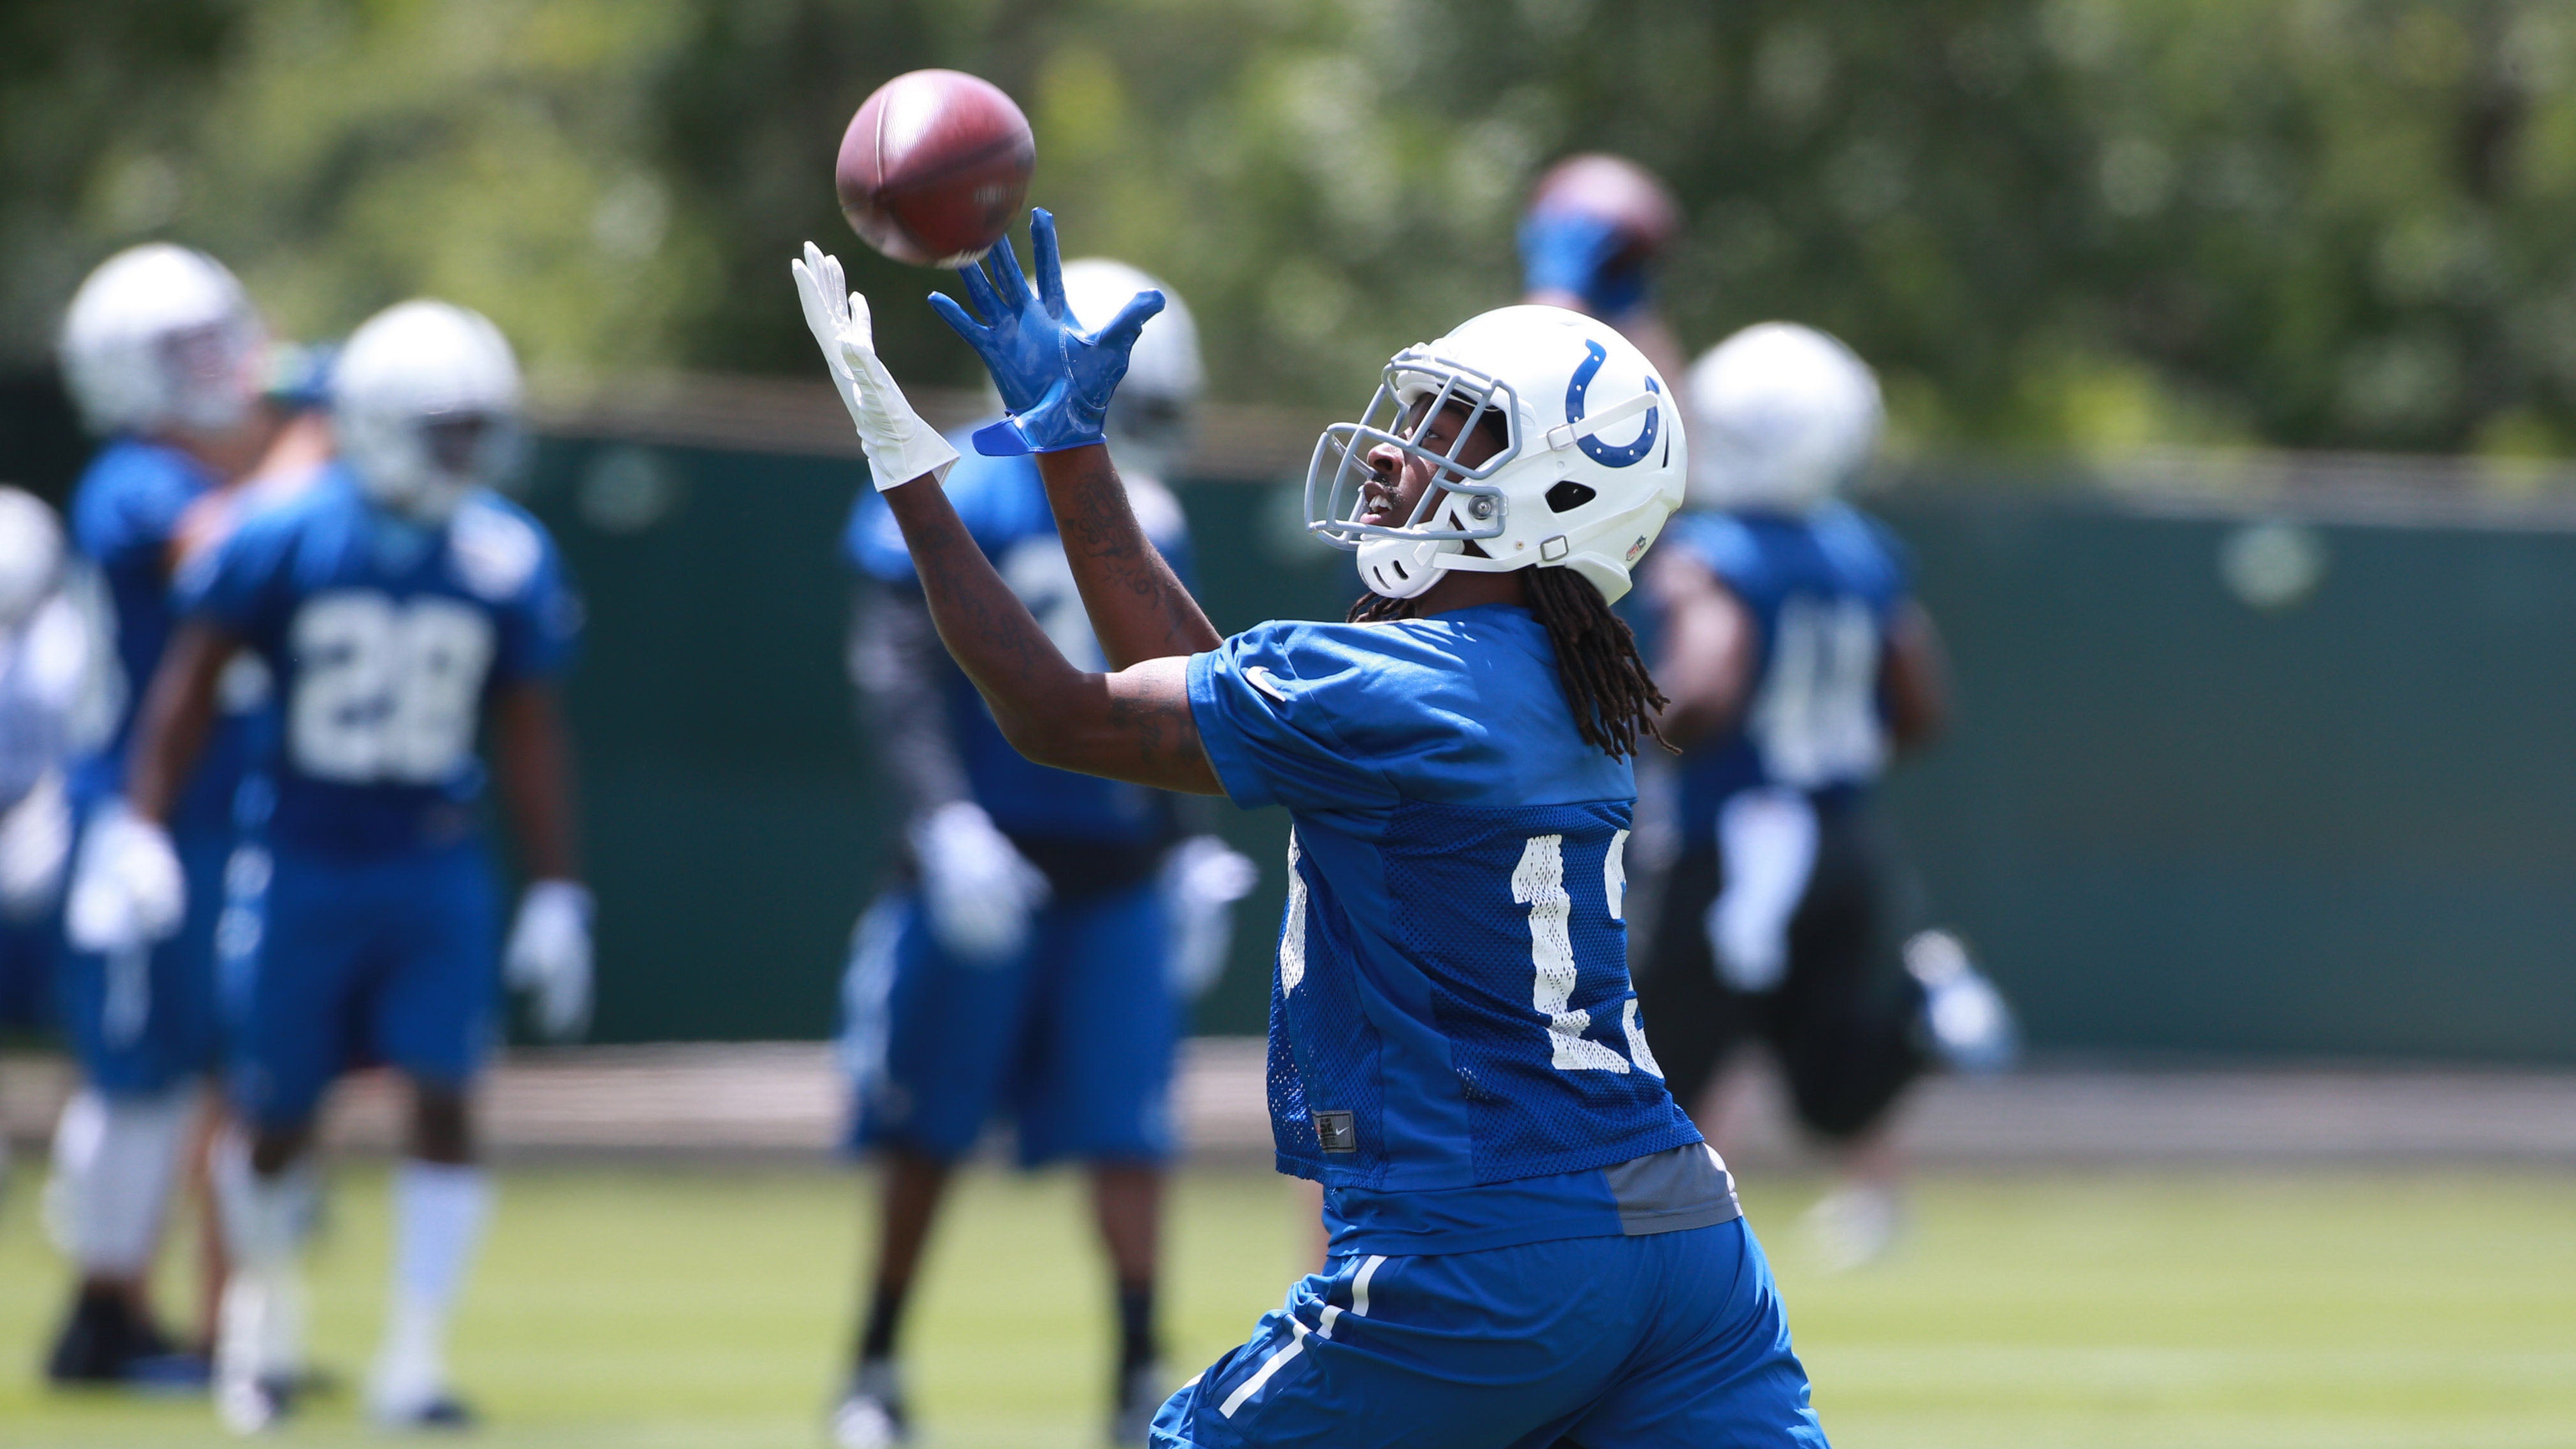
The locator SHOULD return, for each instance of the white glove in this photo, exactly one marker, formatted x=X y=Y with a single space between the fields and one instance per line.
x=1202 y=878
x=127 y=889
x=549 y=955
x=35 y=845
x=900 y=446
x=978 y=888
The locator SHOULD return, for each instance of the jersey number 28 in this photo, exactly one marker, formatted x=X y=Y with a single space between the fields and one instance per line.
x=386 y=690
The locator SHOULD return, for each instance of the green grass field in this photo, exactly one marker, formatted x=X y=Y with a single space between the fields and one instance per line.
x=707 y=1307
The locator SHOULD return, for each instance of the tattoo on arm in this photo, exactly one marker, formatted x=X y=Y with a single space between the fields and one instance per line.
x=1134 y=725
x=1138 y=609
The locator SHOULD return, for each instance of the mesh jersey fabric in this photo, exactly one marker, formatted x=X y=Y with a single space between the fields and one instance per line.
x=125 y=515
x=1823 y=590
x=1002 y=502
x=1452 y=1005
x=387 y=639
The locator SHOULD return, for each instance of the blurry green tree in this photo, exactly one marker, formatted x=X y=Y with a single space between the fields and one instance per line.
x=2094 y=223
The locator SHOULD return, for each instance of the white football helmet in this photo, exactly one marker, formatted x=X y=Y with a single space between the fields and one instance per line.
x=31 y=555
x=1150 y=415
x=425 y=401
x=161 y=337
x=1592 y=463
x=1786 y=416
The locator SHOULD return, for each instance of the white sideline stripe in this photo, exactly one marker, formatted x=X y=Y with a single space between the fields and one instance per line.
x=1296 y=1344
x=1359 y=1297
x=1359 y=1285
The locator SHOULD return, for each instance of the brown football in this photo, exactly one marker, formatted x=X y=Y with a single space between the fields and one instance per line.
x=1616 y=188
x=934 y=167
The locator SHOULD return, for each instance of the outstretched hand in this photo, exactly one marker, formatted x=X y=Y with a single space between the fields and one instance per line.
x=900 y=446
x=1577 y=253
x=1055 y=378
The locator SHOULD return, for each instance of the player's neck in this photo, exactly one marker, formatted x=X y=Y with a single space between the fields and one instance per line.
x=1459 y=589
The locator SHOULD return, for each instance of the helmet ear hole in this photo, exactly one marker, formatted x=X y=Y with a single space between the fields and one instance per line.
x=1569 y=495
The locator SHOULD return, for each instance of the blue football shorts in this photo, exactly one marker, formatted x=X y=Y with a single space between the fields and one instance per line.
x=1669 y=1341
x=1071 y=1039
x=147 y=1020
x=334 y=963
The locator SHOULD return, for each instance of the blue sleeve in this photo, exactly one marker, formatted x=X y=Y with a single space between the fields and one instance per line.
x=1273 y=706
x=539 y=625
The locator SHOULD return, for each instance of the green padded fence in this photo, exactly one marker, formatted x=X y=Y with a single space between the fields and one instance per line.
x=2337 y=820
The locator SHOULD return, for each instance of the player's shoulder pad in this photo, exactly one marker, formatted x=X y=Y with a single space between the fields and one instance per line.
x=132 y=493
x=1721 y=542
x=1862 y=547
x=1000 y=499
x=1345 y=676
x=497 y=547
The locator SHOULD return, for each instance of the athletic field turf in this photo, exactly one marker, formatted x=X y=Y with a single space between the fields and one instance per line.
x=705 y=1308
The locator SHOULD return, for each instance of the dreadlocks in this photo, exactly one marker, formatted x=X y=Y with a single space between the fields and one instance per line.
x=1606 y=684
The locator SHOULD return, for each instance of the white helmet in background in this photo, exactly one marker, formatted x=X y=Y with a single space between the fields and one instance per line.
x=1150 y=415
x=31 y=555
x=1592 y=463
x=425 y=401
x=161 y=337
x=1786 y=415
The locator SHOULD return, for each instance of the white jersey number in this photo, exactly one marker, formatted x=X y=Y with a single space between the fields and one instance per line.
x=386 y=691
x=1816 y=719
x=1538 y=882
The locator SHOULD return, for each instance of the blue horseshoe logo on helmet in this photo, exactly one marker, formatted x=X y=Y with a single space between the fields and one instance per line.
x=1593 y=448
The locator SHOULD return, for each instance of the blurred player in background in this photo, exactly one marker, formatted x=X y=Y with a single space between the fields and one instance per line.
x=163 y=354
x=1798 y=662
x=44 y=660
x=1531 y=1244
x=1038 y=960
x=401 y=605
x=1588 y=242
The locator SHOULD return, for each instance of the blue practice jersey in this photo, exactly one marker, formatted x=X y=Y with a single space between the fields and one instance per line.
x=1823 y=590
x=1003 y=504
x=386 y=639
x=1455 y=1051
x=124 y=517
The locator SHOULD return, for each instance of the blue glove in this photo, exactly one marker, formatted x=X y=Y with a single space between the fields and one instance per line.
x=1573 y=251
x=1055 y=379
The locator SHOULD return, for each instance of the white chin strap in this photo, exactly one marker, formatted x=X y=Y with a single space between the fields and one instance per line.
x=1401 y=568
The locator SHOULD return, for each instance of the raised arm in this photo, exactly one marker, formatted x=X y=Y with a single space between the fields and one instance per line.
x=1132 y=725
x=1057 y=380
x=1138 y=607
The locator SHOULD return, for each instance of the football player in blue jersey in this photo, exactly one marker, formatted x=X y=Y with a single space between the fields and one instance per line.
x=162 y=352
x=44 y=660
x=1036 y=960
x=403 y=607
x=1799 y=661
x=1531 y=1243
